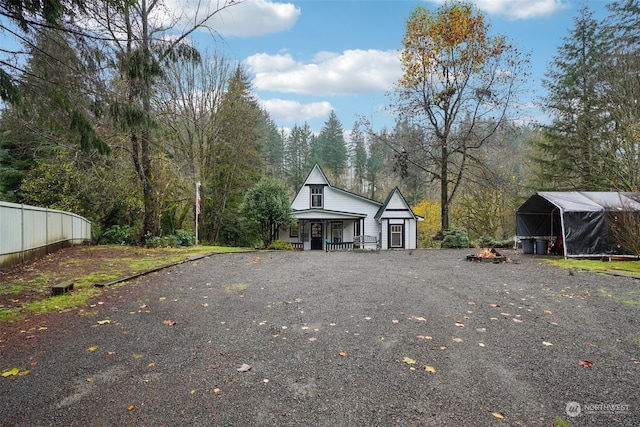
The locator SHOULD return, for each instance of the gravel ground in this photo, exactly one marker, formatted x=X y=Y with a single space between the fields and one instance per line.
x=335 y=339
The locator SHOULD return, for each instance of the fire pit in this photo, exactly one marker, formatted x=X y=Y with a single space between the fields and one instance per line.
x=487 y=255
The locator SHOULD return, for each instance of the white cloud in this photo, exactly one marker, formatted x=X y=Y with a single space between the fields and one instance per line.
x=242 y=19
x=294 y=111
x=328 y=74
x=518 y=9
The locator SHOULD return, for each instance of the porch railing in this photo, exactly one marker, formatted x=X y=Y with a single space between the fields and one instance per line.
x=338 y=246
x=361 y=242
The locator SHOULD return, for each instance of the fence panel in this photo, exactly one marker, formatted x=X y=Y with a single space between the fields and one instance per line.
x=30 y=232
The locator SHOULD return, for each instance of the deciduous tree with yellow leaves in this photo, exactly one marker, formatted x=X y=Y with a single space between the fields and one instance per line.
x=458 y=84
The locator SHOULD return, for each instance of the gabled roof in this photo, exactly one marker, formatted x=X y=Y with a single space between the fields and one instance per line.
x=383 y=208
x=317 y=168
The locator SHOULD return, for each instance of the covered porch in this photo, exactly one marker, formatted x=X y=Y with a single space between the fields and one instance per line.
x=321 y=229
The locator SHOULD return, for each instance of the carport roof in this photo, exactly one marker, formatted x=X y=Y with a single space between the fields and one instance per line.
x=574 y=201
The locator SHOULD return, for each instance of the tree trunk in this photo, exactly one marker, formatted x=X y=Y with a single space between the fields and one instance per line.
x=444 y=188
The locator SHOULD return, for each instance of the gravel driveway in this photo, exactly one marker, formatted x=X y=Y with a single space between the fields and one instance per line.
x=402 y=338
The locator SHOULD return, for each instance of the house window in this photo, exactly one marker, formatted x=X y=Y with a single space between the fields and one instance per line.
x=294 y=230
x=336 y=232
x=396 y=232
x=316 y=197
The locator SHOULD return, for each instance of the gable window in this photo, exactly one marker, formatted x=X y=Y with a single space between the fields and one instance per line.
x=317 y=196
x=396 y=232
x=294 y=230
x=336 y=232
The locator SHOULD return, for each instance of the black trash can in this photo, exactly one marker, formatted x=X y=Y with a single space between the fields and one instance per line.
x=527 y=246
x=542 y=246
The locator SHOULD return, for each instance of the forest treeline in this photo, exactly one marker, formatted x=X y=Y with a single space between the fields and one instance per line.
x=108 y=114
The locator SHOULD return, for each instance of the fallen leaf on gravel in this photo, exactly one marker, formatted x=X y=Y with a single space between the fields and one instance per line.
x=425 y=337
x=517 y=320
x=342 y=354
x=152 y=364
x=443 y=347
x=481 y=344
x=460 y=324
x=498 y=415
x=409 y=361
x=10 y=372
x=169 y=322
x=216 y=390
x=590 y=344
x=494 y=305
x=93 y=348
x=131 y=407
x=244 y=368
x=547 y=343
x=586 y=363
x=104 y=322
x=143 y=306
x=89 y=380
x=456 y=339
x=420 y=319
x=367 y=318
x=506 y=314
x=395 y=321
x=266 y=380
x=553 y=323
x=205 y=304
x=493 y=318
x=193 y=392
x=548 y=312
x=430 y=369
x=137 y=356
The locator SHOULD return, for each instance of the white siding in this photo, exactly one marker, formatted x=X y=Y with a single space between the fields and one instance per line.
x=396 y=208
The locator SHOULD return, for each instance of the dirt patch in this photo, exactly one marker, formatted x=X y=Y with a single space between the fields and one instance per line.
x=26 y=283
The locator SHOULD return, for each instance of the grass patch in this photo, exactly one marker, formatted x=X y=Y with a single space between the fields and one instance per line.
x=561 y=422
x=236 y=287
x=631 y=267
x=90 y=265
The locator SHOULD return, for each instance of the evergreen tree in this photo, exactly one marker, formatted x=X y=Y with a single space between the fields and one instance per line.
x=330 y=149
x=239 y=160
x=358 y=158
x=273 y=148
x=55 y=115
x=298 y=156
x=622 y=82
x=569 y=155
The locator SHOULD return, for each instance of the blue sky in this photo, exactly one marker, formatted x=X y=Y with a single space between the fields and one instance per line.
x=309 y=57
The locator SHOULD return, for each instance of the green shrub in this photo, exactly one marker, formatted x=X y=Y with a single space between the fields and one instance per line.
x=118 y=235
x=185 y=238
x=280 y=245
x=485 y=242
x=455 y=238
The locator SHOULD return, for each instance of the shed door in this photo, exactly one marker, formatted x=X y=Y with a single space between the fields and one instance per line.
x=316 y=236
x=396 y=236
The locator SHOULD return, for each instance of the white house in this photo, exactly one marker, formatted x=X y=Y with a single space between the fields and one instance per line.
x=330 y=218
